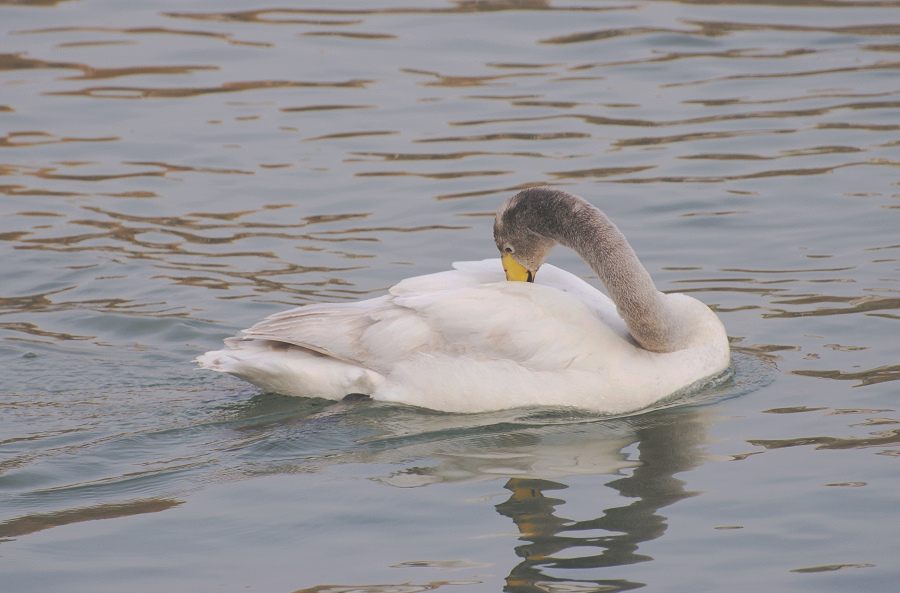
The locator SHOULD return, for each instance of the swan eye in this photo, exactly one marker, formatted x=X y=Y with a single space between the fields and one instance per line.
x=508 y=249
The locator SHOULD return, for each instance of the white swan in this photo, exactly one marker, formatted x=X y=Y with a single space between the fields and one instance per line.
x=467 y=340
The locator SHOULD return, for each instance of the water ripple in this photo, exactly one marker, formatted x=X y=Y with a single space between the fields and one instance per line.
x=746 y=149
x=146 y=31
x=123 y=92
x=32 y=523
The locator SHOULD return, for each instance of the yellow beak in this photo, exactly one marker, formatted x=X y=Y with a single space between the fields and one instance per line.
x=516 y=271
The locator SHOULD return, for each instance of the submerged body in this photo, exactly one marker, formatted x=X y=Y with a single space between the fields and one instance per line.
x=468 y=340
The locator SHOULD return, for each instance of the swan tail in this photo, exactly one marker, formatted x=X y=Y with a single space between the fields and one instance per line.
x=291 y=369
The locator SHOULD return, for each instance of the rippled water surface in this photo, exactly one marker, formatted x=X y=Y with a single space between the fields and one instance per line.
x=173 y=172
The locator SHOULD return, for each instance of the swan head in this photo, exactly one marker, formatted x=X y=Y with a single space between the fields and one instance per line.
x=520 y=235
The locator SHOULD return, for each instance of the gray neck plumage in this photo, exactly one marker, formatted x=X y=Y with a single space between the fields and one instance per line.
x=580 y=226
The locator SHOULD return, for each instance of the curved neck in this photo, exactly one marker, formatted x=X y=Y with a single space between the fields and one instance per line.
x=586 y=230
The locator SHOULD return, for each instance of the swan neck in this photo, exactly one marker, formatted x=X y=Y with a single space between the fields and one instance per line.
x=600 y=243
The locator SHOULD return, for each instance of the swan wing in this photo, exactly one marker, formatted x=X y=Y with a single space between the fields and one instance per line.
x=470 y=311
x=375 y=333
x=550 y=324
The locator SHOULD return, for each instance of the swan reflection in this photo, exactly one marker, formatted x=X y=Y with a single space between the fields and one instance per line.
x=640 y=454
x=561 y=554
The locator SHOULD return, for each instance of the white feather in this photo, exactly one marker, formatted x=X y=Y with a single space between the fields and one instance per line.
x=467 y=340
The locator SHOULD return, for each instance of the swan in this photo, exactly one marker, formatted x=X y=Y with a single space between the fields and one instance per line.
x=470 y=340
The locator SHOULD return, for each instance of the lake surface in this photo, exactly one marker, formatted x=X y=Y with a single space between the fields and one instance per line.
x=173 y=172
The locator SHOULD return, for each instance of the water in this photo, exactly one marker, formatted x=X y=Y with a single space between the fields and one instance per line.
x=172 y=173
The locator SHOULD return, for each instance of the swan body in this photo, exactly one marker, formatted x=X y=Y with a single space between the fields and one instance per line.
x=469 y=340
